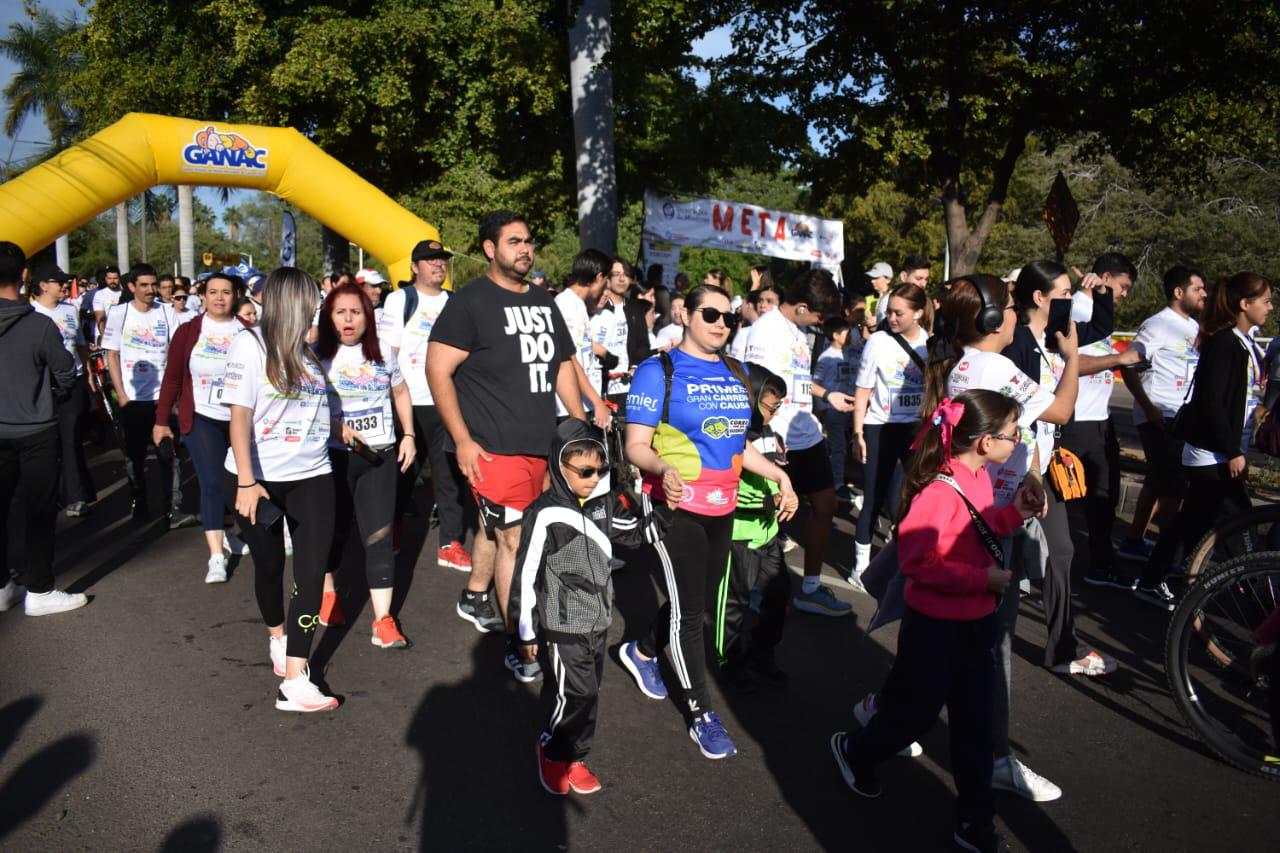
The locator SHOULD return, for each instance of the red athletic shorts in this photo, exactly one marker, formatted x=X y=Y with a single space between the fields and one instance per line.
x=506 y=486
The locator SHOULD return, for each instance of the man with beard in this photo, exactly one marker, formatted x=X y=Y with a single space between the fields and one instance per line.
x=499 y=356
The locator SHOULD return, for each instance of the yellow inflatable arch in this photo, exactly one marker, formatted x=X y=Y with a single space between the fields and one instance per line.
x=142 y=150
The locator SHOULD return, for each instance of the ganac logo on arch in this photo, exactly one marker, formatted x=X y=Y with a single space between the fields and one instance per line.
x=223 y=151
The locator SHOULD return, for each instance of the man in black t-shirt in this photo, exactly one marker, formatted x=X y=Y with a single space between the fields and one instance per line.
x=499 y=356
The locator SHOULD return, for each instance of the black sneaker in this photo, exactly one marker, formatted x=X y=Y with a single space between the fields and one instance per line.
x=763 y=667
x=477 y=608
x=969 y=837
x=736 y=675
x=179 y=520
x=1112 y=580
x=78 y=509
x=864 y=782
x=139 y=511
x=1158 y=595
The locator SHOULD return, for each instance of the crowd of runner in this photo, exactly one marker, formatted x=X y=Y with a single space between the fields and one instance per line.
x=309 y=410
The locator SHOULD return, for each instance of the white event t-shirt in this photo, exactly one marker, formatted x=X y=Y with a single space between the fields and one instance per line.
x=409 y=340
x=67 y=319
x=778 y=345
x=993 y=372
x=142 y=339
x=895 y=380
x=290 y=431
x=1255 y=376
x=208 y=366
x=609 y=330
x=1094 y=399
x=1052 y=366
x=360 y=394
x=574 y=312
x=670 y=334
x=1168 y=341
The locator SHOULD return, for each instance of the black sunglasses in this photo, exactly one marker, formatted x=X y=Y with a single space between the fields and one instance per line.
x=711 y=315
x=588 y=472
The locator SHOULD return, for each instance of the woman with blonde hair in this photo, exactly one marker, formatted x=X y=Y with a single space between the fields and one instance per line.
x=279 y=470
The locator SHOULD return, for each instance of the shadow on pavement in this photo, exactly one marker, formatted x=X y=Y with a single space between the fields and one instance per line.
x=478 y=788
x=199 y=834
x=38 y=779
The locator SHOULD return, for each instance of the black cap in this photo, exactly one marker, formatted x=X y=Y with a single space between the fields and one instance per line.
x=427 y=250
x=49 y=272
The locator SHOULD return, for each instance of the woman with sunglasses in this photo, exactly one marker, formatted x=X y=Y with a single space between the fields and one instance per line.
x=182 y=307
x=688 y=412
x=193 y=382
x=365 y=385
x=886 y=408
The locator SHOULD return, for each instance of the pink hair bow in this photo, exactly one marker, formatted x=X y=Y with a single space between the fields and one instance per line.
x=945 y=418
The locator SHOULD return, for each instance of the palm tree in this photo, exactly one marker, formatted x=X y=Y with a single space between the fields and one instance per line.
x=41 y=50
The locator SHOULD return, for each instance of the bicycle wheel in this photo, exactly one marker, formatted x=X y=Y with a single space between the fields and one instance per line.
x=1225 y=685
x=1255 y=530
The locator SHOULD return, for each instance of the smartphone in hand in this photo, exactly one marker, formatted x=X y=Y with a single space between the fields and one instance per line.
x=1059 y=321
x=268 y=513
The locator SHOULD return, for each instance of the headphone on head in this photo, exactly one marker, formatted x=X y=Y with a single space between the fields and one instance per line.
x=991 y=315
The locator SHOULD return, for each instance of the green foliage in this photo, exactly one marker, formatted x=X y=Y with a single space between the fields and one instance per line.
x=40 y=49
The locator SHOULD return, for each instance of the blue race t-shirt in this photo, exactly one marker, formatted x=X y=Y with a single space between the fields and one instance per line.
x=708 y=417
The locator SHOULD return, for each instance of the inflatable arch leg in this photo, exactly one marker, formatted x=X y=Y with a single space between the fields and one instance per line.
x=142 y=150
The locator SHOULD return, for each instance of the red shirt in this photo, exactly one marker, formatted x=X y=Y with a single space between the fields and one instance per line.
x=941 y=553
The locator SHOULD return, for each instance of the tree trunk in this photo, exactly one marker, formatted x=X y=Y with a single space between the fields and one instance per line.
x=966 y=243
x=591 y=88
x=336 y=249
x=122 y=237
x=186 y=231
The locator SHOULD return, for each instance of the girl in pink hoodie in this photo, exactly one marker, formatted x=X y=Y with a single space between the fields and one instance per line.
x=949 y=550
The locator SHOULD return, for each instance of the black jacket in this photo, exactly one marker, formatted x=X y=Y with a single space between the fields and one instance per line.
x=1213 y=419
x=1025 y=351
x=638 y=348
x=562 y=583
x=35 y=370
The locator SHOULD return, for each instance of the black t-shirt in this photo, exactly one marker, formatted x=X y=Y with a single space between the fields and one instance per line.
x=507 y=385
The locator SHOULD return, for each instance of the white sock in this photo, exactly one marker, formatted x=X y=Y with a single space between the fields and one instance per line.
x=810 y=584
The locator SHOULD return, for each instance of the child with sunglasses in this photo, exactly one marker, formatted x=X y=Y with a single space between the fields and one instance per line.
x=562 y=594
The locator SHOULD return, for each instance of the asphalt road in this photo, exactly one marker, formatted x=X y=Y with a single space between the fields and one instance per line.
x=145 y=722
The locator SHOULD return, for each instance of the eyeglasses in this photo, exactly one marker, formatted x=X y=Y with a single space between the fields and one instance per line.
x=1016 y=438
x=588 y=473
x=771 y=409
x=711 y=315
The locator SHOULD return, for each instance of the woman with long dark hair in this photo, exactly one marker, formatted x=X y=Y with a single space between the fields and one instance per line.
x=278 y=471
x=1216 y=424
x=364 y=386
x=194 y=381
x=688 y=413
x=886 y=408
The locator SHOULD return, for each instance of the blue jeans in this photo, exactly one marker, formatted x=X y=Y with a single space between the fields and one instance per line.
x=839 y=426
x=207 y=443
x=888 y=446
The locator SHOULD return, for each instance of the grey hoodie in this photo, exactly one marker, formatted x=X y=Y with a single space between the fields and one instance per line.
x=35 y=369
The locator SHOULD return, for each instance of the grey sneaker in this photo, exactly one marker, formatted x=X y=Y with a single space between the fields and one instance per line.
x=477 y=608
x=525 y=671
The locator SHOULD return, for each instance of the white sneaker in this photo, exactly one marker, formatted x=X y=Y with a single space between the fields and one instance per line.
x=861 y=558
x=1092 y=664
x=10 y=594
x=788 y=544
x=233 y=544
x=1014 y=776
x=301 y=695
x=866 y=709
x=54 y=601
x=217 y=569
x=277 y=651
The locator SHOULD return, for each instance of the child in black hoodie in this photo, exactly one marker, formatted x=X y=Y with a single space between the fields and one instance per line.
x=562 y=593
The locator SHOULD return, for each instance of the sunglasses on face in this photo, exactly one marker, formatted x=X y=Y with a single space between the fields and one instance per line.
x=588 y=473
x=711 y=315
x=178 y=296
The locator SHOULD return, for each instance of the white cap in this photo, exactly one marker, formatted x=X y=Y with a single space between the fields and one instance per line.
x=368 y=276
x=735 y=303
x=880 y=270
x=1011 y=276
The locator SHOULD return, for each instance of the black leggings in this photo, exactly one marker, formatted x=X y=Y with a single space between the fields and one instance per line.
x=1212 y=497
x=888 y=446
x=692 y=557
x=365 y=494
x=308 y=507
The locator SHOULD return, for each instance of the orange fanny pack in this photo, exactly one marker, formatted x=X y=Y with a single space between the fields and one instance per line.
x=1066 y=475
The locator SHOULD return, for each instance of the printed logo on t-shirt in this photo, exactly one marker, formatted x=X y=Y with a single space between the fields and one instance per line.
x=217 y=345
x=360 y=377
x=148 y=336
x=720 y=427
x=537 y=342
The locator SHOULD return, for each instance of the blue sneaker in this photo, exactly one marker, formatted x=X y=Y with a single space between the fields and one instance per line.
x=645 y=672
x=709 y=734
x=820 y=602
x=1139 y=551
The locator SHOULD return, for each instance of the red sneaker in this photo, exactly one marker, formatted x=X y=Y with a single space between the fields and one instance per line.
x=331 y=610
x=454 y=556
x=554 y=775
x=582 y=780
x=386 y=635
